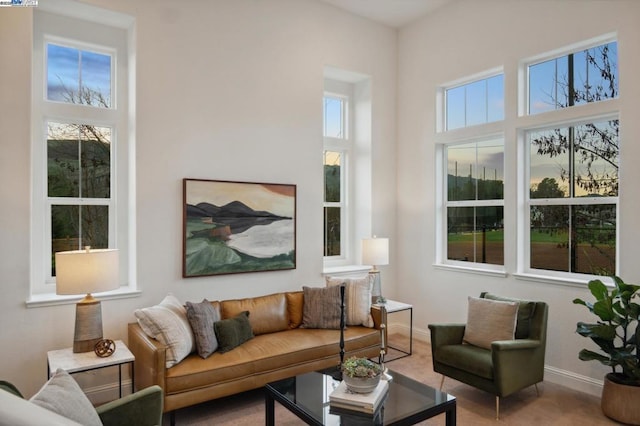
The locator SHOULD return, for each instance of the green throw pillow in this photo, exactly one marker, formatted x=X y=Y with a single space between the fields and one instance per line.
x=233 y=332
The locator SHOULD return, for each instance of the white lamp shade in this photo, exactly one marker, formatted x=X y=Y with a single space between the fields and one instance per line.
x=86 y=271
x=375 y=251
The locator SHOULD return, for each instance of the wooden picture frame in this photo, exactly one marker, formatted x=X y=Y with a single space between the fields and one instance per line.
x=234 y=227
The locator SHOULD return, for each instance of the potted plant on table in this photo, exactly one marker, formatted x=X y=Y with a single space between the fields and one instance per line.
x=360 y=374
x=617 y=334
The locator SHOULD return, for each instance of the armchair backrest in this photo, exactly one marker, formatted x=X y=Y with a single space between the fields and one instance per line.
x=532 y=317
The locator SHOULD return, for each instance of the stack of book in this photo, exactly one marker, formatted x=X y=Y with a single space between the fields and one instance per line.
x=368 y=403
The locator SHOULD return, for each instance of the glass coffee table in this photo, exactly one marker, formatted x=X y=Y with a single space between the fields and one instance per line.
x=407 y=402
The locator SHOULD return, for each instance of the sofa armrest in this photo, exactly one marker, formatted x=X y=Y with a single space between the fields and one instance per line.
x=151 y=358
x=446 y=334
x=143 y=408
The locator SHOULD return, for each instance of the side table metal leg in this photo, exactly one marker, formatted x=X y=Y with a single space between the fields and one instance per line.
x=269 y=409
x=120 y=380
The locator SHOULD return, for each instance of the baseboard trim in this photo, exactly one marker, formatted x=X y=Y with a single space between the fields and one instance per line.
x=107 y=392
x=573 y=381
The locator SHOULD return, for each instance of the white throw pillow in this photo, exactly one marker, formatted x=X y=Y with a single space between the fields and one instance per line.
x=62 y=395
x=357 y=298
x=167 y=323
x=489 y=321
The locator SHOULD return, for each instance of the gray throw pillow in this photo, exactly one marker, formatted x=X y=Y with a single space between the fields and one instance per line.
x=62 y=395
x=321 y=307
x=233 y=332
x=489 y=320
x=202 y=316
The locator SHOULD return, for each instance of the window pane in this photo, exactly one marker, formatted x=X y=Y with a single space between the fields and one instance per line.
x=333 y=117
x=332 y=183
x=78 y=76
x=595 y=235
x=475 y=171
x=461 y=183
x=79 y=160
x=580 y=239
x=63 y=162
x=95 y=161
x=478 y=102
x=332 y=231
x=476 y=234
x=476 y=98
x=596 y=159
x=549 y=238
x=74 y=227
x=549 y=163
x=455 y=108
x=490 y=170
x=592 y=73
x=595 y=150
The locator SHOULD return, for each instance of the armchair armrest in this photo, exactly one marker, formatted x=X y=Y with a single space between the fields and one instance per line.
x=143 y=408
x=513 y=345
x=446 y=334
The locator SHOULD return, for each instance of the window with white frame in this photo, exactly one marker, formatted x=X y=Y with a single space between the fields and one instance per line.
x=336 y=153
x=571 y=214
x=471 y=220
x=477 y=102
x=80 y=143
x=474 y=201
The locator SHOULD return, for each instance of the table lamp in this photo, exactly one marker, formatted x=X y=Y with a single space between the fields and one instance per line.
x=84 y=272
x=375 y=252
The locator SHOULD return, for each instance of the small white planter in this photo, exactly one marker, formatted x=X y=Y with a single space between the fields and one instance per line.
x=361 y=384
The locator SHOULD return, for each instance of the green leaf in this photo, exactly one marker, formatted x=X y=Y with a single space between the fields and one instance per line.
x=598 y=289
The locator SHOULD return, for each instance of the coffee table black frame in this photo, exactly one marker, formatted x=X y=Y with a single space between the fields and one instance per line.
x=307 y=396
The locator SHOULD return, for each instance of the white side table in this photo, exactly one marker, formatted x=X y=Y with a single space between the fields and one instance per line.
x=79 y=362
x=393 y=306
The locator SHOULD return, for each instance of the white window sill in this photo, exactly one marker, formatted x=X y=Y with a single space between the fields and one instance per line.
x=563 y=281
x=52 y=299
x=471 y=270
x=346 y=270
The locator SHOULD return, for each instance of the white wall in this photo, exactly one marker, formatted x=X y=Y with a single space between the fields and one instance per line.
x=226 y=90
x=464 y=38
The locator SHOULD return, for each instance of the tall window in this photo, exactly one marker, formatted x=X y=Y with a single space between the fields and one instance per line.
x=80 y=143
x=475 y=202
x=336 y=152
x=572 y=169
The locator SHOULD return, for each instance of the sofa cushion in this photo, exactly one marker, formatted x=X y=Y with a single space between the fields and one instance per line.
x=321 y=307
x=232 y=332
x=526 y=309
x=167 y=323
x=201 y=317
x=489 y=320
x=357 y=298
x=267 y=354
x=268 y=313
x=62 y=395
x=295 y=306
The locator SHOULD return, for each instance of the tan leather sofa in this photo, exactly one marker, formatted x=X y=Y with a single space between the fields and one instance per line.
x=280 y=349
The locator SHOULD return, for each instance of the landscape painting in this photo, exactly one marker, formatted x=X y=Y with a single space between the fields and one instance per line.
x=234 y=227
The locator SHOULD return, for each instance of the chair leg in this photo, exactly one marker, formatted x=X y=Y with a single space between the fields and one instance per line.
x=497 y=408
x=537 y=390
x=441 y=382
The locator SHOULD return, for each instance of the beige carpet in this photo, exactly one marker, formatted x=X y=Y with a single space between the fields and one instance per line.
x=556 y=405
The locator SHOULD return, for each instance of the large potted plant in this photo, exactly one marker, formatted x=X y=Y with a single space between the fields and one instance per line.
x=617 y=334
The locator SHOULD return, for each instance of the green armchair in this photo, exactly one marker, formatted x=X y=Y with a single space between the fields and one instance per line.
x=509 y=366
x=143 y=408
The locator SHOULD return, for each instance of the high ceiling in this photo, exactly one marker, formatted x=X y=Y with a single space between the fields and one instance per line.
x=394 y=13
